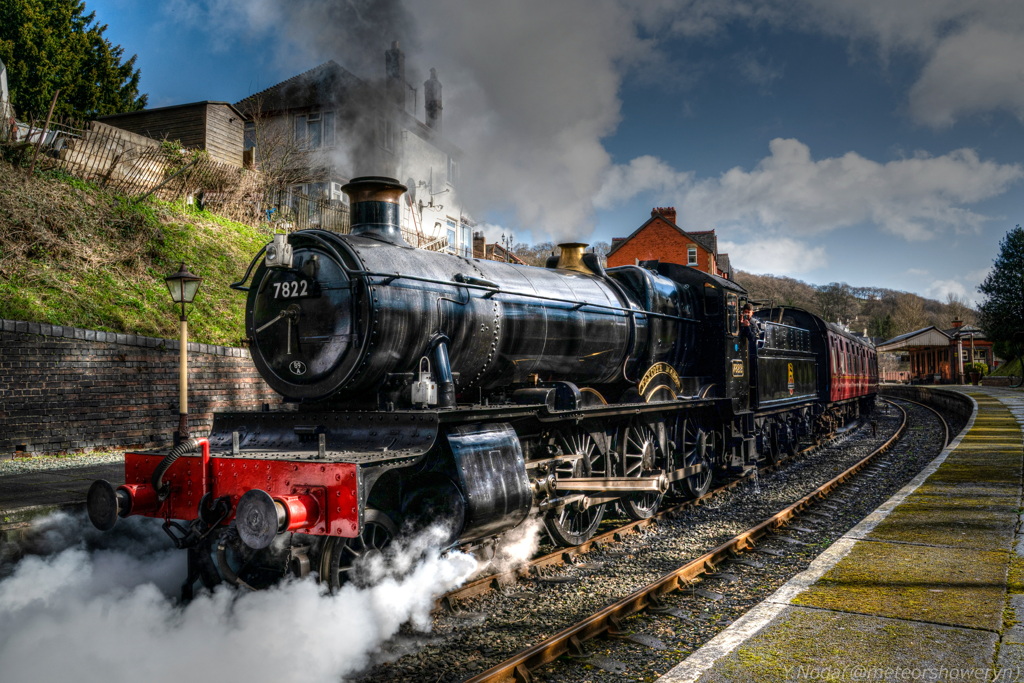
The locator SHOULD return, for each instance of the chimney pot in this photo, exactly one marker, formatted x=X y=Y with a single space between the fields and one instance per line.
x=668 y=212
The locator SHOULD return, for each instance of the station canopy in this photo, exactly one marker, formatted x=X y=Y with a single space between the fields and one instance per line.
x=926 y=338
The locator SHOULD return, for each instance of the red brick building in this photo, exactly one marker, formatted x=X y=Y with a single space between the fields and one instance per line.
x=660 y=239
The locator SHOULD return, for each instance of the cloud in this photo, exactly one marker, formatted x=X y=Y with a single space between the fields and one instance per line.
x=792 y=193
x=642 y=175
x=789 y=190
x=536 y=82
x=971 y=53
x=938 y=289
x=781 y=256
x=974 y=72
x=758 y=70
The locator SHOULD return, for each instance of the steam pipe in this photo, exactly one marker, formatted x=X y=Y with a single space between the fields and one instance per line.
x=186 y=446
x=443 y=372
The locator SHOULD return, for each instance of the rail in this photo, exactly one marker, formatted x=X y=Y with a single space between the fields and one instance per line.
x=607 y=620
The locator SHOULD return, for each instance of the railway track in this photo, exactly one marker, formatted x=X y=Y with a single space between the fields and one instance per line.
x=535 y=621
x=610 y=620
x=563 y=556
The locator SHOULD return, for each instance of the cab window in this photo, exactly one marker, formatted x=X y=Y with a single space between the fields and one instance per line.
x=732 y=313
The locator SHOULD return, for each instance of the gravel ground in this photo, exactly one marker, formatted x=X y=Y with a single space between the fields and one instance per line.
x=492 y=627
x=57 y=462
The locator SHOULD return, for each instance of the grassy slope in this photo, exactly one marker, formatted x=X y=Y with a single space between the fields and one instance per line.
x=72 y=254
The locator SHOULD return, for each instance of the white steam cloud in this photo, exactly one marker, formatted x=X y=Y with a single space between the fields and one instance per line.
x=106 y=615
x=532 y=89
x=516 y=547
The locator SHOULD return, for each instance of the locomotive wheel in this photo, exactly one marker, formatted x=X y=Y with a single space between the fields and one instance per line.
x=340 y=557
x=223 y=557
x=573 y=524
x=696 y=451
x=770 y=447
x=637 y=444
x=788 y=439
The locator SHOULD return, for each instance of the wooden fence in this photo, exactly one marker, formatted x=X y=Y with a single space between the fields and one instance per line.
x=137 y=166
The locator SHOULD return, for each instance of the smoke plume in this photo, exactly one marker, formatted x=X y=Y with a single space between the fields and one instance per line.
x=89 y=608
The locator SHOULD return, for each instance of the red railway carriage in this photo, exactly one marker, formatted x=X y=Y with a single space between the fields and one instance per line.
x=852 y=364
x=845 y=366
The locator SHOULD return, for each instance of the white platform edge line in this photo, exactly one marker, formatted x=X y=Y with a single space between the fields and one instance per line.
x=741 y=630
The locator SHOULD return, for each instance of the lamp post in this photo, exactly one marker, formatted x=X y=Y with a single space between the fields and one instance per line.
x=183 y=286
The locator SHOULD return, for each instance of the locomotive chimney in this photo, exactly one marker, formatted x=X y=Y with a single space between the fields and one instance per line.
x=375 y=208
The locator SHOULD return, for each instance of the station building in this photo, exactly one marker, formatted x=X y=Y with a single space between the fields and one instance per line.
x=942 y=356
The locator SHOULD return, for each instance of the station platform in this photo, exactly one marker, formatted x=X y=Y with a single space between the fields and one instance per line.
x=929 y=587
x=27 y=495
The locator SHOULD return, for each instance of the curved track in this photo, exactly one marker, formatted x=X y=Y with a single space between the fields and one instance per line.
x=563 y=556
x=608 y=620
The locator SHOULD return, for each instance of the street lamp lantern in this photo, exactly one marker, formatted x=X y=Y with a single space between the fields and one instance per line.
x=183 y=286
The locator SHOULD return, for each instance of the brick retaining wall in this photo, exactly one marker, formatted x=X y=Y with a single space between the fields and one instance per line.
x=68 y=389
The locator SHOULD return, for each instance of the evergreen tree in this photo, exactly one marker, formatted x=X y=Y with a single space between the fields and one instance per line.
x=50 y=45
x=1001 y=314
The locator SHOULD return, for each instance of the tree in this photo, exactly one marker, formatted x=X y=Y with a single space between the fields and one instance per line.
x=836 y=302
x=282 y=159
x=957 y=308
x=50 y=45
x=1001 y=313
x=882 y=327
x=908 y=313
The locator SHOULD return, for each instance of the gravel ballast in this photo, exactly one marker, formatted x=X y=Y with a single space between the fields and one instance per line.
x=490 y=628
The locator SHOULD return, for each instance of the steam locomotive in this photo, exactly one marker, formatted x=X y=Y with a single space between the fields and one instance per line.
x=427 y=388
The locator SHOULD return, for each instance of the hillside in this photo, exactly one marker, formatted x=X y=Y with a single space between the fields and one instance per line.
x=72 y=254
x=883 y=313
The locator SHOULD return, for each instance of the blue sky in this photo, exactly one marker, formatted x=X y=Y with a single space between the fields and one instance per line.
x=873 y=142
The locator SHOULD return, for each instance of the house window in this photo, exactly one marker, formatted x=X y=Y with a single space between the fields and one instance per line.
x=249 y=141
x=453 y=171
x=315 y=130
x=453 y=236
x=691 y=256
x=386 y=134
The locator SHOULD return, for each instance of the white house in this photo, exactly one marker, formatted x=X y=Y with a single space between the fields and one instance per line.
x=325 y=126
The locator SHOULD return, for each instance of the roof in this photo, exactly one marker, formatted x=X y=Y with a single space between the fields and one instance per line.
x=322 y=84
x=332 y=85
x=966 y=331
x=703 y=238
x=925 y=337
x=170 y=107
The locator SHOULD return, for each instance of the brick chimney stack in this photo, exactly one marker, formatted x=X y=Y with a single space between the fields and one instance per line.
x=957 y=324
x=394 y=68
x=669 y=212
x=432 y=100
